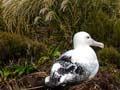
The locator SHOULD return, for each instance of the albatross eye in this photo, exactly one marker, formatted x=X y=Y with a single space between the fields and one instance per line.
x=87 y=37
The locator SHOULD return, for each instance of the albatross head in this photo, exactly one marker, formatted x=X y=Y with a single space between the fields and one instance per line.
x=84 y=39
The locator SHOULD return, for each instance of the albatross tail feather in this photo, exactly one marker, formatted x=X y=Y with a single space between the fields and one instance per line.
x=47 y=79
x=52 y=81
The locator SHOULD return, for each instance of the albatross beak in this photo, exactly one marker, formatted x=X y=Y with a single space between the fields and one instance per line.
x=98 y=44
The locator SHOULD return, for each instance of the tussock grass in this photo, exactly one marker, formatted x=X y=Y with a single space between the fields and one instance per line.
x=64 y=18
x=109 y=56
x=2 y=24
x=19 y=14
x=98 y=17
x=101 y=18
x=17 y=49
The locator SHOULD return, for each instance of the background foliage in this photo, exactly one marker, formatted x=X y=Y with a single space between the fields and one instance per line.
x=33 y=33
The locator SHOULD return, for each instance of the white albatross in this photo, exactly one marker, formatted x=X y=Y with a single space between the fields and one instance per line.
x=76 y=65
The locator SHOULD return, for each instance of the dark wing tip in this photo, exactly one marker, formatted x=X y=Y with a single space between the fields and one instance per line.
x=65 y=58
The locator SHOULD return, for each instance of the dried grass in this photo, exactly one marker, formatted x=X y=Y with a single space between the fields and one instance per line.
x=19 y=14
x=65 y=16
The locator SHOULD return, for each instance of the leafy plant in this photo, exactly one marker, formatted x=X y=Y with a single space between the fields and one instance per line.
x=51 y=55
x=20 y=70
x=15 y=71
x=4 y=74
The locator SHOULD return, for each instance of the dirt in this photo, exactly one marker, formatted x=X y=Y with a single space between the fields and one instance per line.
x=35 y=81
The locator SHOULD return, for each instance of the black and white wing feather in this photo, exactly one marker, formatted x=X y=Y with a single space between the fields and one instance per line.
x=64 y=72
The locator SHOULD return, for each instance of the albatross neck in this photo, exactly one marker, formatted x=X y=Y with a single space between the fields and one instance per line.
x=81 y=46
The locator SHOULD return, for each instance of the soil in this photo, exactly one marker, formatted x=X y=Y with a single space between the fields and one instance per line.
x=35 y=81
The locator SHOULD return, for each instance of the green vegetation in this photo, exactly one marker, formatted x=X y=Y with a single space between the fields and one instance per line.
x=19 y=49
x=33 y=33
x=98 y=17
x=15 y=71
x=109 y=56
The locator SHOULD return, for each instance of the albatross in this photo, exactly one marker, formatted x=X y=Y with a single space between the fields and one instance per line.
x=76 y=65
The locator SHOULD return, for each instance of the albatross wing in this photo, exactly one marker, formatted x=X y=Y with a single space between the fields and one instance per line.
x=65 y=72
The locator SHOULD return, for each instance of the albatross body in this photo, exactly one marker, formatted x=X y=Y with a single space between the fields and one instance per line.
x=76 y=65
